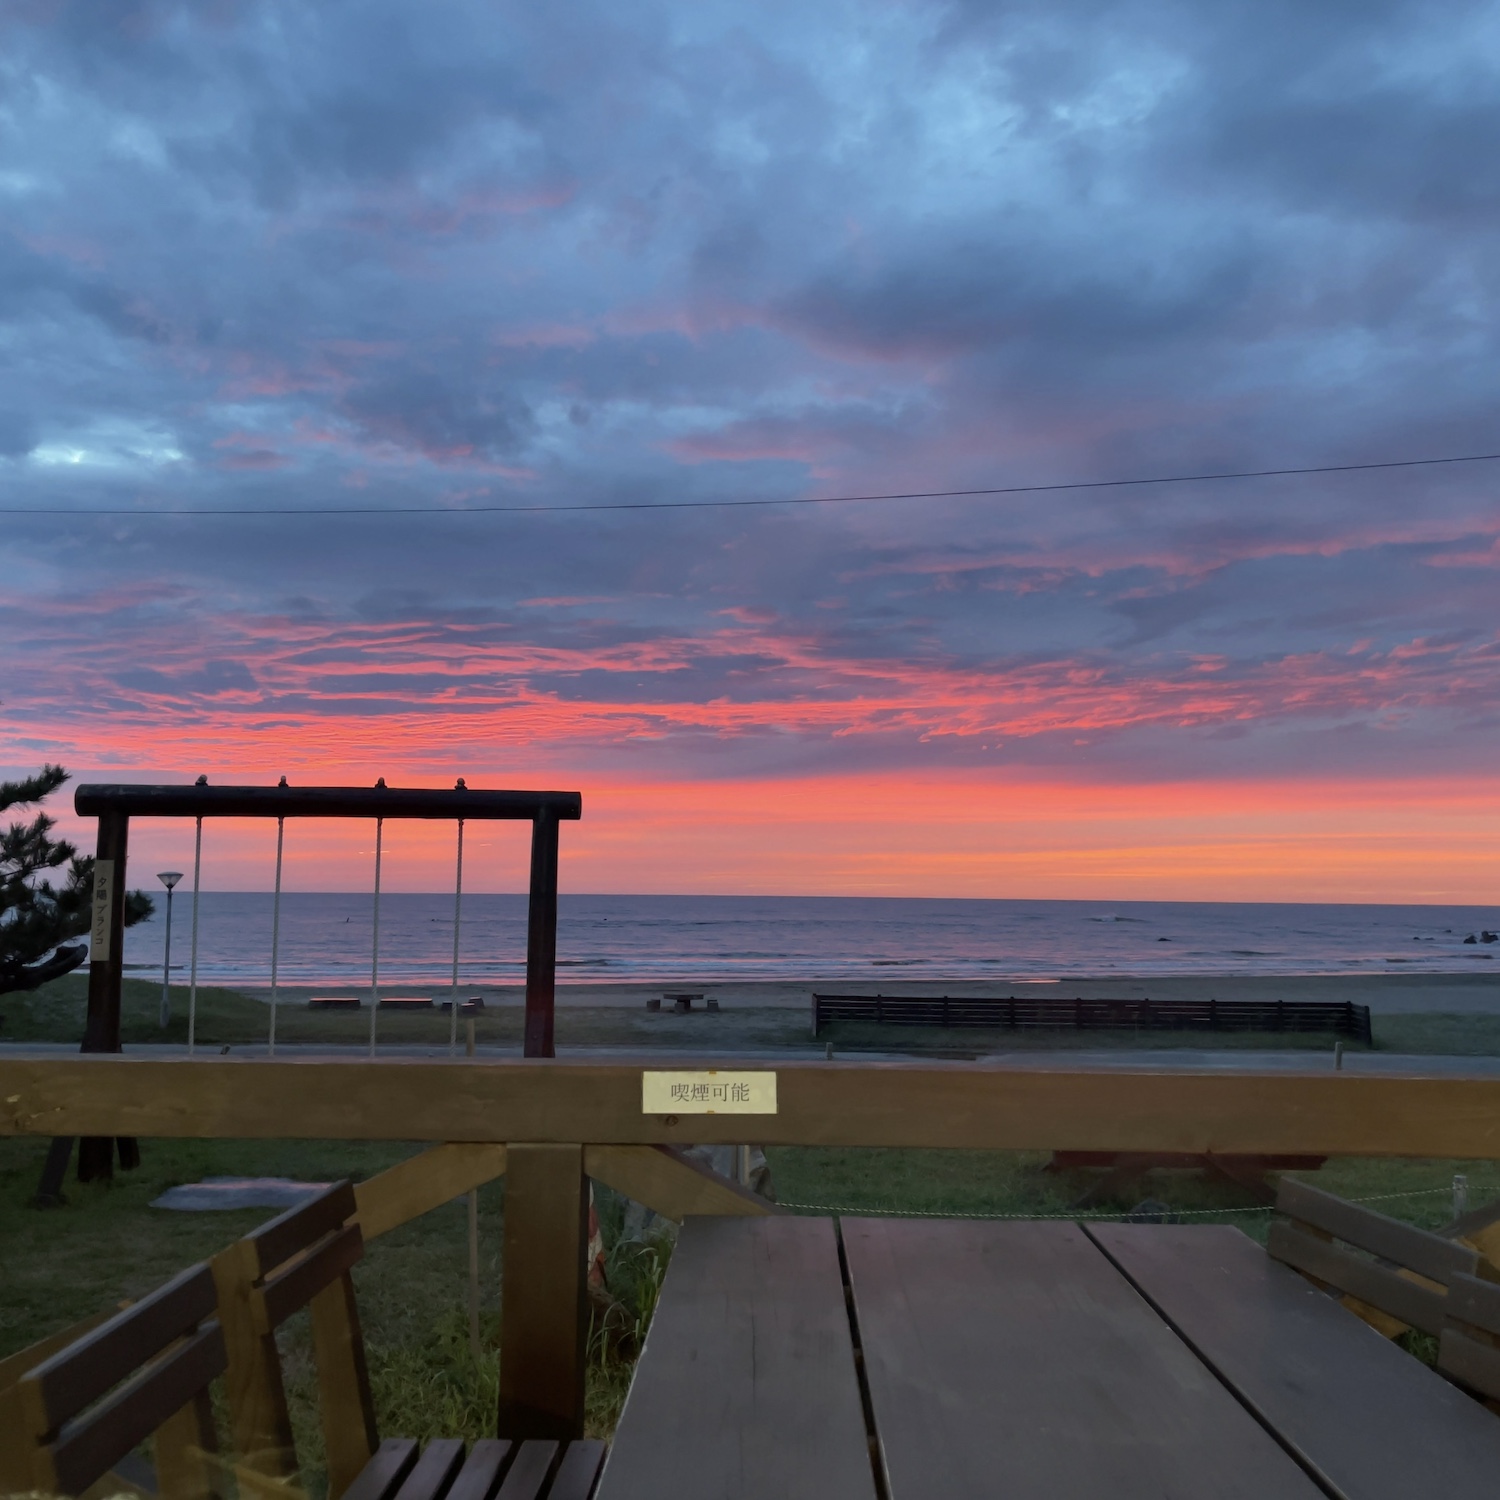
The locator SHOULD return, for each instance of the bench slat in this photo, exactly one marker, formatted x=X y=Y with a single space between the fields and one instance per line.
x=1358 y=1410
x=578 y=1471
x=1427 y=1254
x=291 y=1290
x=527 y=1476
x=1471 y=1300
x=391 y=1462
x=1012 y=1359
x=434 y=1472
x=1352 y=1273
x=89 y=1446
x=480 y=1476
x=1468 y=1361
x=280 y=1238
x=82 y=1372
x=747 y=1386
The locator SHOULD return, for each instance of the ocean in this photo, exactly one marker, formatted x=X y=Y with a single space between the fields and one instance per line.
x=885 y=941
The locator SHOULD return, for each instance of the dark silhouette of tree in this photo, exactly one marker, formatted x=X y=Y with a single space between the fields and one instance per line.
x=37 y=920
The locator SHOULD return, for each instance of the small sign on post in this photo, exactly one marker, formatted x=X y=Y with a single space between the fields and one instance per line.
x=101 y=929
x=712 y=1092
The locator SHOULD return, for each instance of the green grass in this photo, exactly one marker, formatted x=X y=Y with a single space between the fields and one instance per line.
x=228 y=1018
x=107 y=1244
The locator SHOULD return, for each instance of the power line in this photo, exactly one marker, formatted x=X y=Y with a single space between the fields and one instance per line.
x=607 y=505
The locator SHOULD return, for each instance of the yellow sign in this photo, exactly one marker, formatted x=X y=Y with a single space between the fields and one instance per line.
x=710 y=1093
x=104 y=899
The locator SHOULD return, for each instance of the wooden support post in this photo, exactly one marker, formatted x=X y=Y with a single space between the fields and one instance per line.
x=541 y=935
x=543 y=1299
x=344 y=1406
x=262 y=1425
x=106 y=973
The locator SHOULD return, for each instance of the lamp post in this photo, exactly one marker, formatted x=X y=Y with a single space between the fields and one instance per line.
x=168 y=878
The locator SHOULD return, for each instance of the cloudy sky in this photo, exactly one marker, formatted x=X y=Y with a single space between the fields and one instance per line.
x=309 y=257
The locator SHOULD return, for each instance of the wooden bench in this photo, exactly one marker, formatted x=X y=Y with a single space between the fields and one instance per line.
x=303 y=1258
x=143 y=1372
x=1391 y=1274
x=1469 y=1345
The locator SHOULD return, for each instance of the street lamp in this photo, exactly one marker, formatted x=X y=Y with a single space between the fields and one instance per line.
x=168 y=878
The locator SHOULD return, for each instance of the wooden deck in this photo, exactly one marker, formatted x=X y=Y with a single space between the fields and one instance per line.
x=942 y=1358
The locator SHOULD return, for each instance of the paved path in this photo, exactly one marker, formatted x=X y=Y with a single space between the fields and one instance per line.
x=1163 y=1060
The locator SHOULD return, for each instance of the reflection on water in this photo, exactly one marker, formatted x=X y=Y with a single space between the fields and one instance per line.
x=325 y=938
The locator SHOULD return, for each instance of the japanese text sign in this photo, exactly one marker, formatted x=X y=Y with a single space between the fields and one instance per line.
x=709 y=1093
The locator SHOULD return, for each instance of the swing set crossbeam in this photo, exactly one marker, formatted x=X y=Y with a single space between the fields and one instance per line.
x=93 y=801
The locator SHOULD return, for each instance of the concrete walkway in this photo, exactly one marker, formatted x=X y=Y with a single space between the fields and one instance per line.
x=1163 y=1060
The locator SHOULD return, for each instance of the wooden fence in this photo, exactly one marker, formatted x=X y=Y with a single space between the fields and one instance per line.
x=551 y=1125
x=1055 y=1013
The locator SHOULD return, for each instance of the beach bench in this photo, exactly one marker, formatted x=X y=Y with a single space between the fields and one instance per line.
x=303 y=1258
x=70 y=1419
x=1391 y=1274
x=1469 y=1346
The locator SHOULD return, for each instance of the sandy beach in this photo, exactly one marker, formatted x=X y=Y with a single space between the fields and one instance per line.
x=1385 y=994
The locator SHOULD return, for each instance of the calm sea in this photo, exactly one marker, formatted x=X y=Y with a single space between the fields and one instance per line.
x=326 y=939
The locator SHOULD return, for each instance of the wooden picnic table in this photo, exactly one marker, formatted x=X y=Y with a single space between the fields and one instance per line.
x=944 y=1359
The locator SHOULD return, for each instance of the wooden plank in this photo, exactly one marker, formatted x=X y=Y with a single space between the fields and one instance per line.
x=432 y=1473
x=543 y=1298
x=421 y=1183
x=1386 y=1290
x=1471 y=1300
x=186 y=1450
x=383 y=1474
x=81 y=1372
x=14 y=1366
x=346 y=1409
x=527 y=1476
x=747 y=1385
x=1372 y=1421
x=290 y=1233
x=90 y=1445
x=578 y=1471
x=480 y=1476
x=289 y=1291
x=1463 y=1358
x=1427 y=1254
x=672 y=1184
x=1012 y=1359
x=820 y=1103
x=259 y=1418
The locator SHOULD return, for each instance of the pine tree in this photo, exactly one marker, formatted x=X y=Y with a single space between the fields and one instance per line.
x=37 y=920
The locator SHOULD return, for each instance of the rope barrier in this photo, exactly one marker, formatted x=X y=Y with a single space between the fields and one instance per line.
x=1178 y=1213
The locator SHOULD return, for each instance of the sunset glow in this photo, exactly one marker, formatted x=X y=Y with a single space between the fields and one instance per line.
x=726 y=254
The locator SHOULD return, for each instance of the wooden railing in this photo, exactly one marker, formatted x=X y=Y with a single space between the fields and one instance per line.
x=551 y=1125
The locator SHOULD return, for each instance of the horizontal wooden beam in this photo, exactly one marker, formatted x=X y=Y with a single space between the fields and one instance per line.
x=820 y=1104
x=92 y=801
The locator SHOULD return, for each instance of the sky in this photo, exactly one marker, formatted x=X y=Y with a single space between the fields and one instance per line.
x=375 y=256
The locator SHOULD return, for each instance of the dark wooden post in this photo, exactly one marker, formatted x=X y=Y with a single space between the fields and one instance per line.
x=101 y=1032
x=541 y=935
x=543 y=1295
